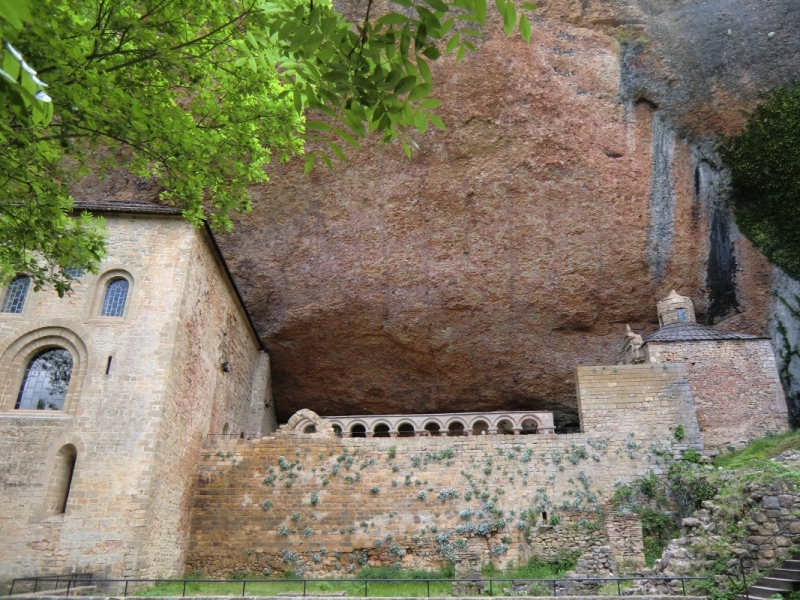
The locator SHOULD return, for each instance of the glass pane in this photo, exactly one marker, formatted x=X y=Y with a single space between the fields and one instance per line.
x=46 y=381
x=681 y=315
x=15 y=295
x=73 y=272
x=114 y=301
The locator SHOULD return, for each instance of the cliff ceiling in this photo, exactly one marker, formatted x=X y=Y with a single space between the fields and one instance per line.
x=576 y=185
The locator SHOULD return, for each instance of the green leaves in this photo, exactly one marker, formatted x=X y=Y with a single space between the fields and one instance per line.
x=378 y=63
x=179 y=92
x=764 y=163
x=197 y=96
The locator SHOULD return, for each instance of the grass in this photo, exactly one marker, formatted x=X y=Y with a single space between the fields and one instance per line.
x=407 y=588
x=537 y=569
x=409 y=583
x=759 y=450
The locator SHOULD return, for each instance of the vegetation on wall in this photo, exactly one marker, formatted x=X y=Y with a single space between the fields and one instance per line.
x=764 y=163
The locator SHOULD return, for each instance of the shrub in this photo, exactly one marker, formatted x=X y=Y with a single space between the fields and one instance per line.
x=692 y=456
x=392 y=451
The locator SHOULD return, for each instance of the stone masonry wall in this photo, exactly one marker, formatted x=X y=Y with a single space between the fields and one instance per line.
x=735 y=386
x=135 y=426
x=113 y=423
x=324 y=505
x=201 y=398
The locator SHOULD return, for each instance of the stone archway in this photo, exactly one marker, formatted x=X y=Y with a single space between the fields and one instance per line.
x=308 y=422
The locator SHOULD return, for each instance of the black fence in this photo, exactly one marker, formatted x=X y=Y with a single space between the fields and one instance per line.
x=491 y=586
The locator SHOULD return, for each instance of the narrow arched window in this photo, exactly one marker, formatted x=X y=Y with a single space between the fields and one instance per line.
x=114 y=300
x=46 y=381
x=60 y=480
x=16 y=292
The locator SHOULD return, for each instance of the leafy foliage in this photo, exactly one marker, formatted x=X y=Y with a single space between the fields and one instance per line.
x=197 y=96
x=657 y=530
x=764 y=162
x=156 y=86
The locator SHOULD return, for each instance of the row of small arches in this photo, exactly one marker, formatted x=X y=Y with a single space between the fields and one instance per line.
x=114 y=298
x=454 y=429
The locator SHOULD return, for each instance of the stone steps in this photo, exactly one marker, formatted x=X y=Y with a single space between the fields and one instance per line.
x=781 y=580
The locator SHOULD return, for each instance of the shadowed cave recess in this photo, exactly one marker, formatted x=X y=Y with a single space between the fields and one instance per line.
x=577 y=183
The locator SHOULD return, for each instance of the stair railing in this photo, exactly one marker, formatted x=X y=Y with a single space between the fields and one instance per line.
x=742 y=558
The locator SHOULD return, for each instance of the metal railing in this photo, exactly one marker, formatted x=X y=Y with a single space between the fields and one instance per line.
x=55 y=580
x=131 y=586
x=757 y=547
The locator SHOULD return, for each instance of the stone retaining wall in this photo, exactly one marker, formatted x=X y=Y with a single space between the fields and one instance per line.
x=322 y=505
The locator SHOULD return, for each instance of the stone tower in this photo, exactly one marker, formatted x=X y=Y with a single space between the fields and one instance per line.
x=675 y=309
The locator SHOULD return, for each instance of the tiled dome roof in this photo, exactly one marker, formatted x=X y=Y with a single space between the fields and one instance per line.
x=692 y=332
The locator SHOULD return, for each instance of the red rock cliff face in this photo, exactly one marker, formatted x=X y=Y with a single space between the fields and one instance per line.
x=575 y=186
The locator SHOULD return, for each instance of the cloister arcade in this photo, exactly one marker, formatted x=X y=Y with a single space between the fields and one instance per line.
x=443 y=424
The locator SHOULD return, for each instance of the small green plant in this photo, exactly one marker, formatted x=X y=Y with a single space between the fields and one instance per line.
x=554 y=520
x=266 y=504
x=375 y=491
x=692 y=456
x=680 y=433
x=392 y=452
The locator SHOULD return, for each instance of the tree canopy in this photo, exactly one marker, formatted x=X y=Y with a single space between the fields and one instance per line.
x=198 y=96
x=764 y=163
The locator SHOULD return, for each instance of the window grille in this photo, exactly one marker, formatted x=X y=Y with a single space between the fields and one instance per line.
x=114 y=300
x=73 y=272
x=15 y=295
x=46 y=381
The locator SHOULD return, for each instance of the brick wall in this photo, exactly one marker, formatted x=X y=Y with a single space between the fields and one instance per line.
x=735 y=385
x=629 y=416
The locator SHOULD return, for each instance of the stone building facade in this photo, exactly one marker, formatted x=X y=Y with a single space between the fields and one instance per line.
x=107 y=394
x=733 y=377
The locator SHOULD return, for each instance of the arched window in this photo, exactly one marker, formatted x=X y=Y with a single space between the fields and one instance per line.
x=380 y=430
x=114 y=300
x=456 y=428
x=433 y=429
x=60 y=481
x=405 y=430
x=16 y=292
x=337 y=431
x=226 y=429
x=480 y=428
x=505 y=427
x=358 y=431
x=529 y=427
x=46 y=381
x=310 y=429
